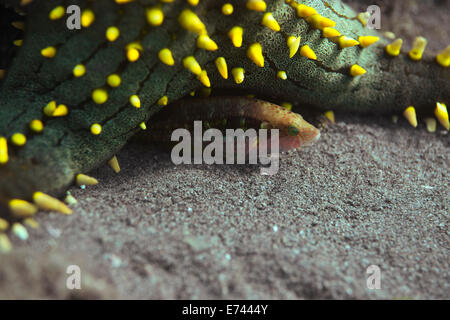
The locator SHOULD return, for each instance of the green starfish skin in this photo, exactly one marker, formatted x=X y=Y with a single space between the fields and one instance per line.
x=49 y=161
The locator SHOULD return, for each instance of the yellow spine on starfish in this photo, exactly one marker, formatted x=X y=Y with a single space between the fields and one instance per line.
x=330 y=116
x=191 y=22
x=221 y=65
x=48 y=52
x=135 y=101
x=133 y=54
x=205 y=42
x=96 y=129
x=282 y=75
x=363 y=17
x=133 y=51
x=365 y=41
x=3 y=150
x=155 y=16
x=57 y=13
x=441 y=114
x=192 y=65
x=193 y=2
x=346 y=42
x=82 y=179
x=329 y=32
x=393 y=49
x=410 y=115
x=49 y=108
x=70 y=199
x=18 y=42
x=79 y=70
x=204 y=79
x=18 y=139
x=87 y=18
x=306 y=51
x=390 y=35
x=60 y=111
x=256 y=5
x=143 y=126
x=31 y=223
x=36 y=125
x=357 y=70
x=227 y=9
x=418 y=48
x=21 y=208
x=293 y=44
x=20 y=231
x=112 y=33
x=136 y=45
x=269 y=21
x=430 y=124
x=236 y=35
x=4 y=225
x=99 y=96
x=5 y=244
x=165 y=55
x=238 y=75
x=163 y=101
x=303 y=11
x=113 y=80
x=114 y=164
x=46 y=202
x=319 y=22
x=254 y=52
x=443 y=58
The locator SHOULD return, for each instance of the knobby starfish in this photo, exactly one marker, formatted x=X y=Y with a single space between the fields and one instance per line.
x=73 y=97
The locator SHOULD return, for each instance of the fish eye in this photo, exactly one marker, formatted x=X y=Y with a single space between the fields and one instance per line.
x=292 y=131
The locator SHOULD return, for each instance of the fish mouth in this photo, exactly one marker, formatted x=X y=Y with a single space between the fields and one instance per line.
x=310 y=136
x=304 y=138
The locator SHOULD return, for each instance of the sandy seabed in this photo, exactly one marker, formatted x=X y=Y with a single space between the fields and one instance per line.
x=368 y=193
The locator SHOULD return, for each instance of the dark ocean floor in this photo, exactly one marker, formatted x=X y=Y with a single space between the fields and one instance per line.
x=369 y=192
